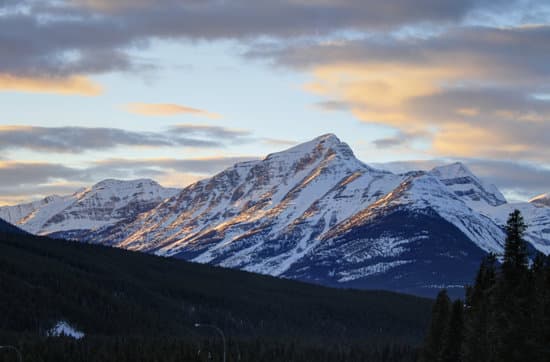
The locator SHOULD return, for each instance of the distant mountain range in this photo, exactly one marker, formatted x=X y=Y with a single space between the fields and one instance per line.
x=313 y=213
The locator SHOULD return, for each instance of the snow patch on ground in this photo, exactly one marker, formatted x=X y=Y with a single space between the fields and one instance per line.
x=64 y=329
x=378 y=268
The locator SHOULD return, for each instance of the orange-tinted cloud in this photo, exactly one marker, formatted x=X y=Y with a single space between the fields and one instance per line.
x=76 y=85
x=431 y=100
x=378 y=92
x=167 y=109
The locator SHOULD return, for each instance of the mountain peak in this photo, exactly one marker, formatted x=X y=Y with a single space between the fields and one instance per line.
x=114 y=182
x=328 y=138
x=327 y=144
x=468 y=186
x=452 y=171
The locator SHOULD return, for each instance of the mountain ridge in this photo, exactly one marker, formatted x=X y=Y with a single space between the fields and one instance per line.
x=271 y=215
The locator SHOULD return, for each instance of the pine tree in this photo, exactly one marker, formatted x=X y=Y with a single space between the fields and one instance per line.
x=479 y=300
x=512 y=310
x=440 y=318
x=514 y=266
x=544 y=322
x=536 y=305
x=454 y=335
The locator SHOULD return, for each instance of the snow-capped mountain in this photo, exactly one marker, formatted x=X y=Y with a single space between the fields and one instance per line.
x=77 y=215
x=313 y=212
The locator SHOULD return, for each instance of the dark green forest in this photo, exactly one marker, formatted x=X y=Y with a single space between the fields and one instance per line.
x=506 y=314
x=138 y=307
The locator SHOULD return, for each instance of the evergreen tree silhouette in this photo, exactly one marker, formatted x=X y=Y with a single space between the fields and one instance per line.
x=454 y=334
x=479 y=301
x=433 y=346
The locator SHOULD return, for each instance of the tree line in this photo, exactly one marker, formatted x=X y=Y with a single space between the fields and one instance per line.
x=138 y=307
x=506 y=312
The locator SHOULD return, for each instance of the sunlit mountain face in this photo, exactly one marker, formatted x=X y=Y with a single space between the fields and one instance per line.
x=313 y=212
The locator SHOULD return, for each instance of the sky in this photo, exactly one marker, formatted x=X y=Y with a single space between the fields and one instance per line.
x=177 y=90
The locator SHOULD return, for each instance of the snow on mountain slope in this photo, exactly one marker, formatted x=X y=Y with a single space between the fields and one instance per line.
x=488 y=201
x=16 y=213
x=288 y=196
x=476 y=193
x=402 y=249
x=543 y=200
x=536 y=216
x=106 y=203
x=424 y=191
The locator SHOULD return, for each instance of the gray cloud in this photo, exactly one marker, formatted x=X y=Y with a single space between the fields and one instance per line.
x=400 y=139
x=485 y=103
x=198 y=165
x=17 y=174
x=80 y=139
x=521 y=179
x=489 y=49
x=277 y=142
x=389 y=142
x=24 y=181
x=215 y=132
x=333 y=105
x=93 y=36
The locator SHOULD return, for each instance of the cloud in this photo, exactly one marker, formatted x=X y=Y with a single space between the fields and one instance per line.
x=86 y=37
x=23 y=181
x=163 y=109
x=216 y=132
x=400 y=139
x=78 y=85
x=203 y=166
x=32 y=173
x=18 y=194
x=521 y=178
x=332 y=106
x=81 y=139
x=277 y=142
x=462 y=89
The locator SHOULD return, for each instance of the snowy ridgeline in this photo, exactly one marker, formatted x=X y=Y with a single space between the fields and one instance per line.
x=64 y=329
x=291 y=210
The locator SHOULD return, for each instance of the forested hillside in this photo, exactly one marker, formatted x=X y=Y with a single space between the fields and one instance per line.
x=138 y=307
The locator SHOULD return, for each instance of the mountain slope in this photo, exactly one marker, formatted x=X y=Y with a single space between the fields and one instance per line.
x=313 y=212
x=106 y=203
x=459 y=179
x=105 y=291
x=416 y=239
